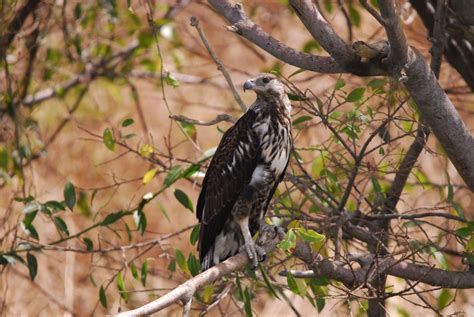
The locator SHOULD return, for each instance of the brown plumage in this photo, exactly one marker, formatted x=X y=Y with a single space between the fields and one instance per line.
x=242 y=177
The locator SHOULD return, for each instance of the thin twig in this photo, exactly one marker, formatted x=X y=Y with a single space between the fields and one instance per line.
x=220 y=66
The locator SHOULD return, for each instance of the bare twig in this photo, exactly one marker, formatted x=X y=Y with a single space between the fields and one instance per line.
x=219 y=118
x=220 y=66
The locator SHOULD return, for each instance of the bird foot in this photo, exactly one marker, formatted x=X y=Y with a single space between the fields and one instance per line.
x=269 y=232
x=255 y=253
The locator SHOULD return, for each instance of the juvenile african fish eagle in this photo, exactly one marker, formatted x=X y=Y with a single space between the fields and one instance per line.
x=243 y=175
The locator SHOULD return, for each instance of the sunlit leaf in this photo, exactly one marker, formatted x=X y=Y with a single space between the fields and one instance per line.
x=171 y=80
x=355 y=95
x=146 y=150
x=190 y=130
x=109 y=140
x=149 y=175
x=310 y=235
x=121 y=286
x=134 y=271
x=144 y=273
x=444 y=298
x=181 y=260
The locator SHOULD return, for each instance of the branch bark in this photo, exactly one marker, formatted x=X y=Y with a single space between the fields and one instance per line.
x=403 y=269
x=246 y=28
x=185 y=291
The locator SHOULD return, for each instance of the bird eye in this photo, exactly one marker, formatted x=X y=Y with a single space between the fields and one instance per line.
x=265 y=80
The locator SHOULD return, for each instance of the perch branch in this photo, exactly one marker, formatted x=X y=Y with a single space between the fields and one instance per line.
x=185 y=291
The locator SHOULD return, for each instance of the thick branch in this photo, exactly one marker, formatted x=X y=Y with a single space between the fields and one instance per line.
x=398 y=43
x=245 y=27
x=403 y=269
x=15 y=25
x=322 y=31
x=185 y=291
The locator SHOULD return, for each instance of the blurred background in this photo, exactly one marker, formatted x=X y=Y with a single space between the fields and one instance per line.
x=98 y=88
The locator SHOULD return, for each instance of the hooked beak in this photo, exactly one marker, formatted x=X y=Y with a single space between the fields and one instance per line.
x=248 y=85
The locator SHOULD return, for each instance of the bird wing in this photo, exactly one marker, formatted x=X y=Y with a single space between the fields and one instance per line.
x=229 y=172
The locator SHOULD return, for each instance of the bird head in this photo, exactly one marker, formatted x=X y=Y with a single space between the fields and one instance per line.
x=265 y=84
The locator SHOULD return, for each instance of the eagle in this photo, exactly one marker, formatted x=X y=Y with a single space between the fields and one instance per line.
x=247 y=167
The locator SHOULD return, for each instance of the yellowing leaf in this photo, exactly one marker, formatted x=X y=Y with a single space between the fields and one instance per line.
x=149 y=175
x=146 y=150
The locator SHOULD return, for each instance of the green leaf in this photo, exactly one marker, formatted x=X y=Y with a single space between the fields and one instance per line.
x=444 y=298
x=145 y=39
x=57 y=205
x=109 y=140
x=173 y=174
x=339 y=84
x=402 y=312
x=149 y=175
x=181 y=260
x=127 y=122
x=89 y=244
x=458 y=209
x=69 y=195
x=376 y=83
x=102 y=297
x=195 y=234
x=291 y=281
x=121 y=286
x=77 y=11
x=376 y=185
x=247 y=305
x=328 y=5
x=320 y=303
x=355 y=95
x=296 y=97
x=170 y=80
x=354 y=15
x=317 y=166
x=184 y=199
x=288 y=242
x=29 y=217
x=61 y=225
x=32 y=265
x=140 y=221
x=311 y=236
x=310 y=46
x=190 y=171
x=189 y=129
x=134 y=271
x=301 y=120
x=31 y=230
x=450 y=190
x=144 y=273
x=193 y=265
x=113 y=217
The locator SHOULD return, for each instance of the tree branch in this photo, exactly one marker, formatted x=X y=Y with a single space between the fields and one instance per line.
x=403 y=269
x=15 y=25
x=185 y=291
